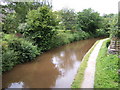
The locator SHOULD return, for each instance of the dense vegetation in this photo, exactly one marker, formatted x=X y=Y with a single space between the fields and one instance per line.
x=106 y=69
x=16 y=50
x=31 y=28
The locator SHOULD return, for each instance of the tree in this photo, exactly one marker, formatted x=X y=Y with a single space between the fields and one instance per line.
x=20 y=8
x=15 y=13
x=111 y=24
x=40 y=24
x=68 y=19
x=10 y=23
x=118 y=35
x=89 y=21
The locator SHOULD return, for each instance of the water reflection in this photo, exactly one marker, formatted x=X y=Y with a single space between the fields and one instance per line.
x=58 y=62
x=55 y=68
x=62 y=63
x=62 y=54
x=16 y=85
x=67 y=66
x=65 y=80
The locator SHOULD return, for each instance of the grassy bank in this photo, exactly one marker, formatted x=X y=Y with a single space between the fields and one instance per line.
x=106 y=69
x=80 y=74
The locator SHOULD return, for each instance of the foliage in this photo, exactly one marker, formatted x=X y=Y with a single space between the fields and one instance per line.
x=118 y=34
x=9 y=23
x=22 y=28
x=106 y=69
x=81 y=35
x=111 y=25
x=9 y=59
x=15 y=13
x=16 y=50
x=89 y=21
x=108 y=43
x=114 y=32
x=68 y=20
x=40 y=26
x=25 y=49
x=101 y=32
x=21 y=8
x=64 y=37
x=59 y=39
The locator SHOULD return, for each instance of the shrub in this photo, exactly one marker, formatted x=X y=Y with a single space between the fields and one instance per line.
x=59 y=39
x=114 y=32
x=9 y=59
x=101 y=32
x=62 y=38
x=40 y=24
x=76 y=36
x=16 y=50
x=81 y=35
x=108 y=43
x=25 y=49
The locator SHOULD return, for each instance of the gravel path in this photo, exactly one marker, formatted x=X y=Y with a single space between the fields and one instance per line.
x=89 y=73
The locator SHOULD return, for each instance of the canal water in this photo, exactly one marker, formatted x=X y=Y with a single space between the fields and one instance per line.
x=53 y=69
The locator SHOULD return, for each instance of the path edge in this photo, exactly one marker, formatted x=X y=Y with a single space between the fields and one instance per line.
x=79 y=77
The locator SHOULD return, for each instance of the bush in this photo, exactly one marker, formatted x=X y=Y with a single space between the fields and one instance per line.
x=114 y=32
x=39 y=26
x=17 y=50
x=108 y=43
x=9 y=59
x=81 y=35
x=62 y=38
x=25 y=49
x=59 y=39
x=76 y=37
x=101 y=32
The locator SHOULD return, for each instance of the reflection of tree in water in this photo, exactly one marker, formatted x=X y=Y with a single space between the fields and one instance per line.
x=63 y=63
x=65 y=59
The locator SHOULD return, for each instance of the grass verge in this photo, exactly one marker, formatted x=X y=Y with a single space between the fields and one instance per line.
x=106 y=75
x=80 y=74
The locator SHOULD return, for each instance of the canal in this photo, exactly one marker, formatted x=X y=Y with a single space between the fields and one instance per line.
x=55 y=68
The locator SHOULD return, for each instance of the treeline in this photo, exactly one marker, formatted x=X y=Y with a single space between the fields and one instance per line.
x=31 y=28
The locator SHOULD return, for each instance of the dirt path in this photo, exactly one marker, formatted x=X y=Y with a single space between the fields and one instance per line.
x=89 y=73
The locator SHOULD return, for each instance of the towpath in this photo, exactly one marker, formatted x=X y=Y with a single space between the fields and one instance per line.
x=89 y=73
